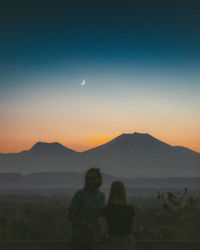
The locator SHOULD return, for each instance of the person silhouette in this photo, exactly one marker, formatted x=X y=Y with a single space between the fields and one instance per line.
x=85 y=208
x=117 y=220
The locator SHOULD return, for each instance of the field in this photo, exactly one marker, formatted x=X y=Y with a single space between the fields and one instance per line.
x=42 y=215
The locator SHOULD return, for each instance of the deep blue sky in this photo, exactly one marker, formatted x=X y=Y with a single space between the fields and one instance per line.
x=37 y=35
x=151 y=48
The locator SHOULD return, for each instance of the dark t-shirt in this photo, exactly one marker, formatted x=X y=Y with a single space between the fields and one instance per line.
x=87 y=207
x=119 y=219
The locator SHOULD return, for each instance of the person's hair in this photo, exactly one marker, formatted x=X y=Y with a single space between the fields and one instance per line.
x=117 y=193
x=97 y=172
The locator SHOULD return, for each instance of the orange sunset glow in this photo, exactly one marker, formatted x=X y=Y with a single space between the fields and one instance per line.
x=84 y=143
x=81 y=121
x=85 y=84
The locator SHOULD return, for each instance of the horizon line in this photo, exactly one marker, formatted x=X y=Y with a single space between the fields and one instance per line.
x=93 y=147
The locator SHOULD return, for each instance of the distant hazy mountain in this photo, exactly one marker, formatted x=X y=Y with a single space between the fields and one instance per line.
x=76 y=180
x=128 y=155
x=42 y=147
x=42 y=157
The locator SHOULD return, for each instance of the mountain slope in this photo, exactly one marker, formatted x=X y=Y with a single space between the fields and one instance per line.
x=55 y=147
x=143 y=155
x=128 y=155
x=41 y=157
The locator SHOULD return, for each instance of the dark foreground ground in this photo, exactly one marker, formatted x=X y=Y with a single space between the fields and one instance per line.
x=41 y=215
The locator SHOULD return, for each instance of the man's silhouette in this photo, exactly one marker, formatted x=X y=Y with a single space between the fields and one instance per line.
x=85 y=209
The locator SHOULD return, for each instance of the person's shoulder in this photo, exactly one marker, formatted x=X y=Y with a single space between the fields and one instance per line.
x=79 y=193
x=76 y=201
x=101 y=194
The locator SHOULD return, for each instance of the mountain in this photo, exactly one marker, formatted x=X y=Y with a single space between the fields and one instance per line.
x=128 y=155
x=42 y=157
x=141 y=155
x=55 y=147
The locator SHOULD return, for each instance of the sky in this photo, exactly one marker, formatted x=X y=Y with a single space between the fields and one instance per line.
x=140 y=61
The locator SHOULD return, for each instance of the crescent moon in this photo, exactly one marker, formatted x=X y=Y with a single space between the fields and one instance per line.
x=83 y=83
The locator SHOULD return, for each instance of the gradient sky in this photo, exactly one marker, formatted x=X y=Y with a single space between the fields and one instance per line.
x=140 y=60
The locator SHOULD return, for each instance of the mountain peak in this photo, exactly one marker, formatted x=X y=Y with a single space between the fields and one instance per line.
x=136 y=134
x=144 y=139
x=132 y=141
x=45 y=147
x=141 y=134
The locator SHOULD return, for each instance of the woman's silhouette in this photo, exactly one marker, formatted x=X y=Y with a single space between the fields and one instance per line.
x=117 y=220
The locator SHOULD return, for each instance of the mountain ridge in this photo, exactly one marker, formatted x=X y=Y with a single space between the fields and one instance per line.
x=127 y=155
x=39 y=144
x=135 y=139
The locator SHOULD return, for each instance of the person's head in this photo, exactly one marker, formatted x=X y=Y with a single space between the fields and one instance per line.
x=93 y=179
x=117 y=193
